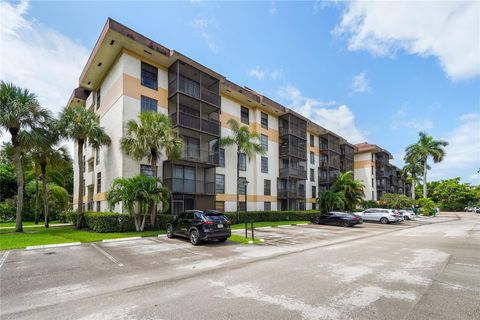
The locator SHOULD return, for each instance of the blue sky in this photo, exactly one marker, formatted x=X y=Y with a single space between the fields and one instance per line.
x=370 y=71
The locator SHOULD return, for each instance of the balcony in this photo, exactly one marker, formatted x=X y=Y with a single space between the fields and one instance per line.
x=189 y=121
x=291 y=193
x=330 y=163
x=329 y=142
x=294 y=130
x=194 y=90
x=347 y=152
x=190 y=186
x=293 y=173
x=200 y=156
x=299 y=151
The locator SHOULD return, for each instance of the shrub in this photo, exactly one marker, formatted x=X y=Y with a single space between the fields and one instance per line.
x=67 y=216
x=396 y=201
x=108 y=222
x=259 y=216
x=367 y=204
x=7 y=210
x=427 y=206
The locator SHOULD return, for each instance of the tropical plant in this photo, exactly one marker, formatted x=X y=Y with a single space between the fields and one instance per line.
x=427 y=206
x=81 y=125
x=136 y=194
x=330 y=201
x=351 y=188
x=148 y=138
x=20 y=111
x=452 y=195
x=412 y=172
x=423 y=149
x=395 y=200
x=58 y=198
x=366 y=204
x=247 y=143
x=8 y=183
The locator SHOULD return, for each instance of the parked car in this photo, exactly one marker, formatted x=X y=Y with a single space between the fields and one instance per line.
x=199 y=226
x=343 y=219
x=407 y=214
x=381 y=215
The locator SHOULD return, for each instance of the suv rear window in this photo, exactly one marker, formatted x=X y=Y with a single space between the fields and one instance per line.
x=215 y=217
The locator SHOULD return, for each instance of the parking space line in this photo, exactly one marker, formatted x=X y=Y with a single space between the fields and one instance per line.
x=4 y=257
x=106 y=254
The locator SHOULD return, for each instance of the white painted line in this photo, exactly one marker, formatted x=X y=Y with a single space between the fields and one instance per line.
x=467 y=264
x=262 y=240
x=302 y=224
x=250 y=242
x=263 y=228
x=162 y=235
x=68 y=244
x=121 y=239
x=106 y=254
x=3 y=258
x=285 y=226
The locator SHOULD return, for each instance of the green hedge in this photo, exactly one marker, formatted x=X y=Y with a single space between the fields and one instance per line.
x=259 y=216
x=68 y=217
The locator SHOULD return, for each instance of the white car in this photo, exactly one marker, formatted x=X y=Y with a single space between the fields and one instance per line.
x=381 y=215
x=408 y=214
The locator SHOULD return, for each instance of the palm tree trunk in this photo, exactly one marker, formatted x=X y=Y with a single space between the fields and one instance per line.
x=37 y=197
x=45 y=194
x=238 y=189
x=153 y=209
x=425 y=179
x=413 y=188
x=20 y=179
x=80 y=183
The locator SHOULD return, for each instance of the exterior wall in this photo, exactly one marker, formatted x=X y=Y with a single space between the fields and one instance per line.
x=311 y=198
x=363 y=171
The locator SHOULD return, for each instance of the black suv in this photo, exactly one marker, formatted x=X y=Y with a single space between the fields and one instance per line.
x=200 y=225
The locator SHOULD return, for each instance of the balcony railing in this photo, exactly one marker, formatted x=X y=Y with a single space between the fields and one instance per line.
x=197 y=123
x=291 y=193
x=190 y=186
x=293 y=172
x=199 y=155
x=323 y=179
x=332 y=163
x=294 y=130
x=294 y=151
x=193 y=89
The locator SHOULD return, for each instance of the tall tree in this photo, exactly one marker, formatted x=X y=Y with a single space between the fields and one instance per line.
x=412 y=171
x=423 y=149
x=148 y=138
x=351 y=188
x=19 y=113
x=247 y=143
x=330 y=200
x=82 y=125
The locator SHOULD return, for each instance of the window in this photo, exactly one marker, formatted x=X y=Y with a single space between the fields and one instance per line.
x=242 y=161
x=99 y=95
x=312 y=157
x=264 y=142
x=264 y=120
x=242 y=185
x=221 y=158
x=264 y=164
x=220 y=206
x=146 y=170
x=220 y=183
x=312 y=174
x=149 y=76
x=314 y=191
x=98 y=206
x=97 y=157
x=244 y=115
x=267 y=206
x=373 y=196
x=242 y=206
x=372 y=170
x=267 y=187
x=99 y=182
x=312 y=140
x=84 y=164
x=373 y=183
x=148 y=104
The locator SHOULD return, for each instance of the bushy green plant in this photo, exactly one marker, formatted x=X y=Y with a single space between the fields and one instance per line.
x=7 y=210
x=396 y=201
x=67 y=217
x=367 y=204
x=259 y=216
x=108 y=222
x=427 y=206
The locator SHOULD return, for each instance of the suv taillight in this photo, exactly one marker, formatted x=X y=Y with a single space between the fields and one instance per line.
x=208 y=222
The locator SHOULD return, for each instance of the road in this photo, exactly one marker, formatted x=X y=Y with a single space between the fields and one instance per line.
x=428 y=269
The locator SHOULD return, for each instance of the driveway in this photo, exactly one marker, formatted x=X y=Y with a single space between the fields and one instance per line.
x=416 y=270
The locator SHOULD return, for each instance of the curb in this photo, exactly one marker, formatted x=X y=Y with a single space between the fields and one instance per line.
x=161 y=235
x=68 y=244
x=121 y=239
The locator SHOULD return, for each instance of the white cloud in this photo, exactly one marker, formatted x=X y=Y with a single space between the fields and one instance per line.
x=273 y=8
x=257 y=72
x=419 y=125
x=202 y=27
x=402 y=119
x=261 y=73
x=276 y=74
x=448 y=30
x=463 y=152
x=340 y=120
x=360 y=83
x=37 y=57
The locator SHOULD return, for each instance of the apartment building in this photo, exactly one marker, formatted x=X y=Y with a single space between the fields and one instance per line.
x=128 y=73
x=372 y=166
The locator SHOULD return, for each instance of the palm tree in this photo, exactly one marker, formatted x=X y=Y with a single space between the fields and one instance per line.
x=247 y=143
x=81 y=124
x=351 y=188
x=330 y=200
x=412 y=172
x=148 y=138
x=19 y=113
x=46 y=153
x=137 y=194
x=425 y=147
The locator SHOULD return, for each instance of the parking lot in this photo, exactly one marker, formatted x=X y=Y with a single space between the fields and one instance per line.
x=302 y=271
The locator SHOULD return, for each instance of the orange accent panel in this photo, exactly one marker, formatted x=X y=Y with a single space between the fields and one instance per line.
x=363 y=164
x=133 y=89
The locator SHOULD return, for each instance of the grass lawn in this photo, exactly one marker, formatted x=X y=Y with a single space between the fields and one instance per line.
x=266 y=224
x=42 y=236
x=27 y=223
x=242 y=239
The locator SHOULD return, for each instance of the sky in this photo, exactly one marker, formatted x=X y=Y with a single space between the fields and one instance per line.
x=369 y=71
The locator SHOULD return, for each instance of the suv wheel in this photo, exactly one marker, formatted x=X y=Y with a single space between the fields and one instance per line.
x=345 y=224
x=194 y=238
x=383 y=220
x=169 y=231
x=406 y=217
x=222 y=239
